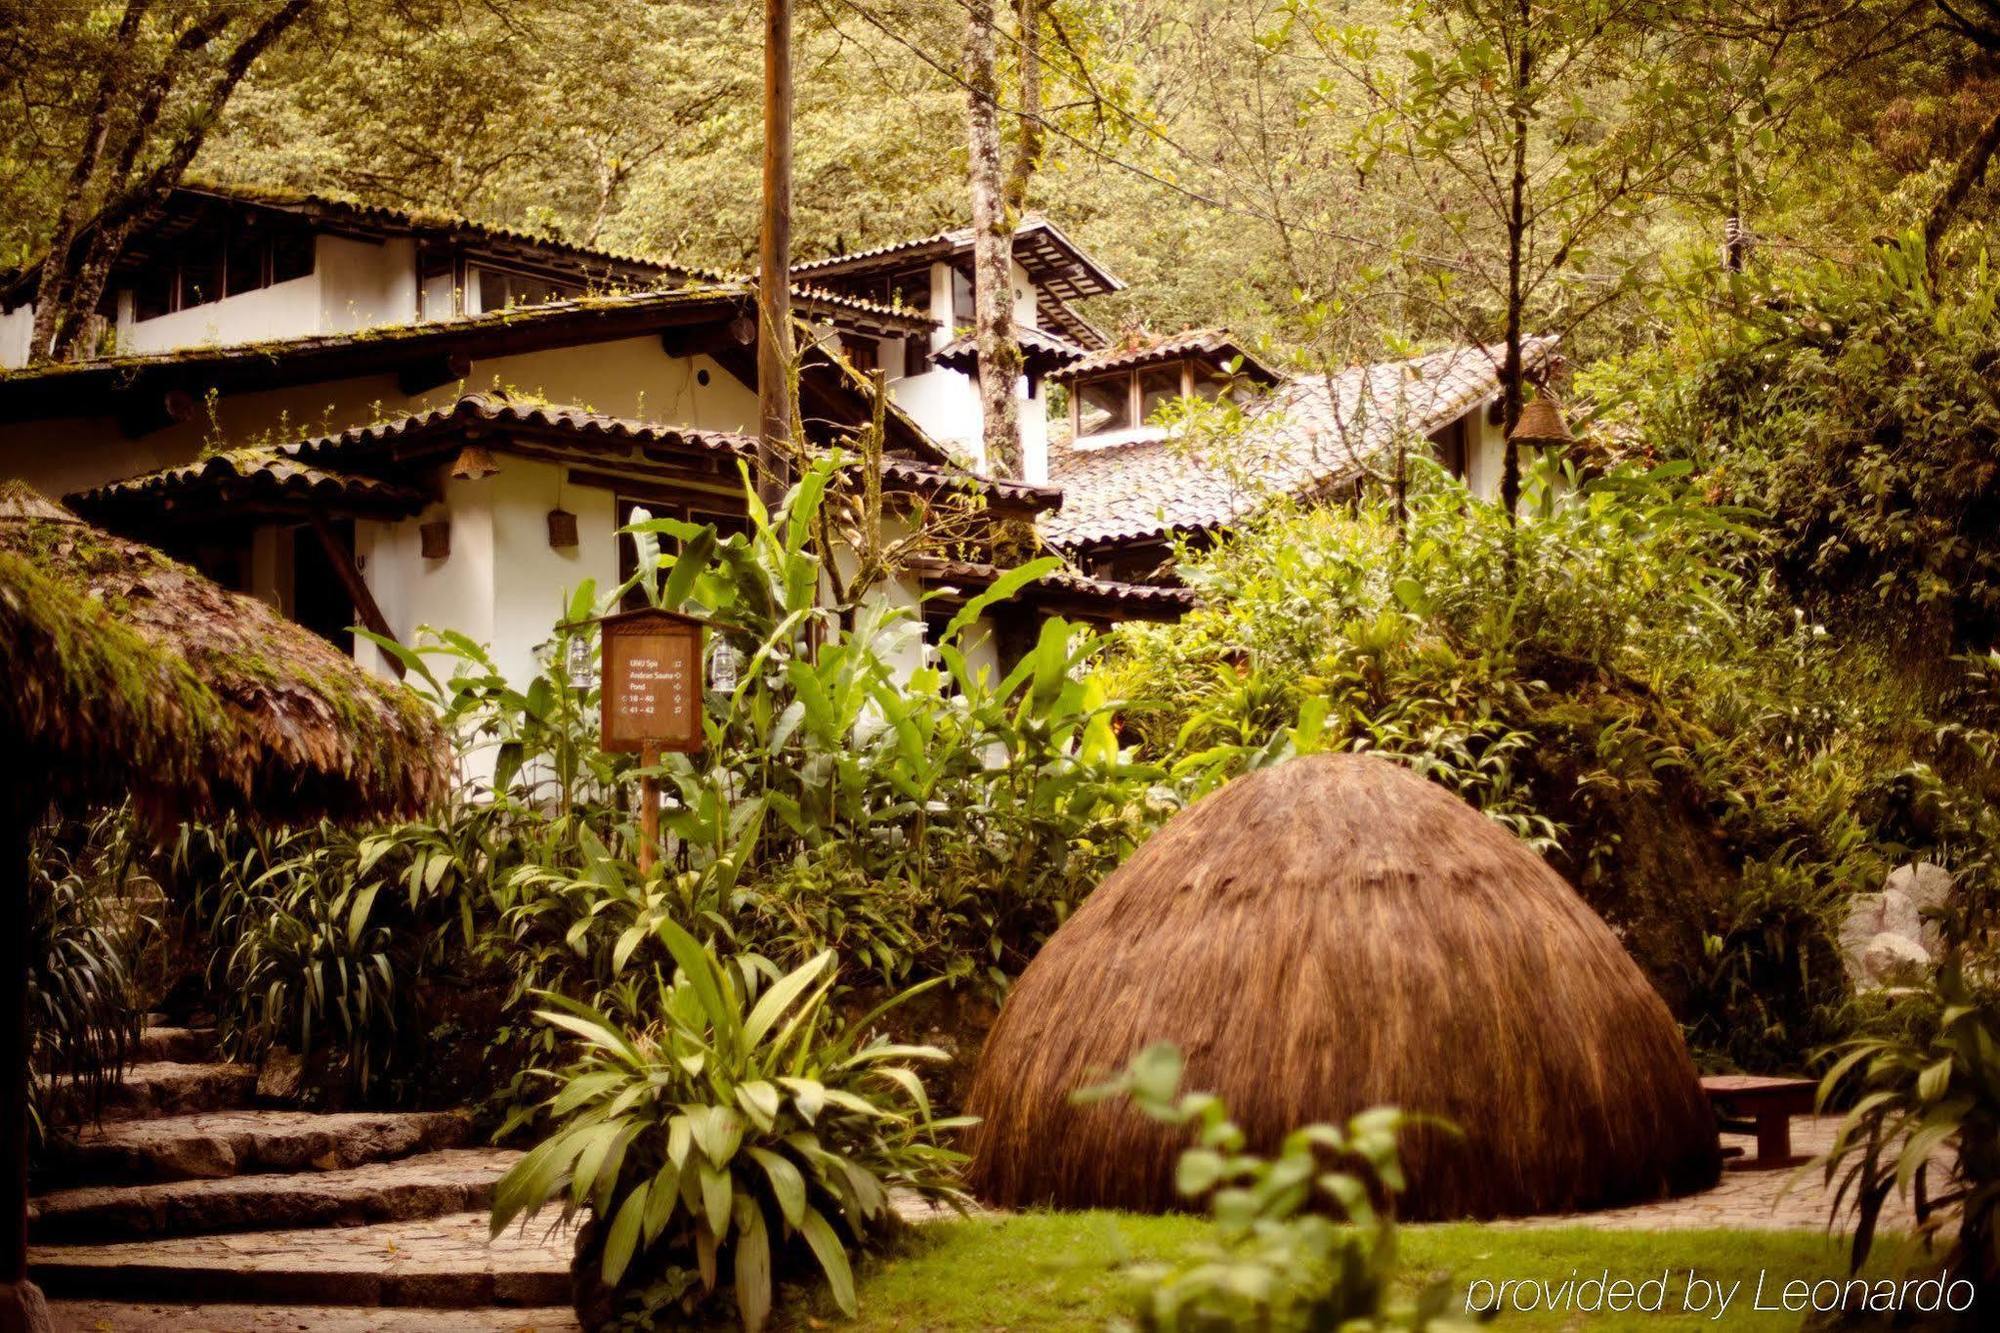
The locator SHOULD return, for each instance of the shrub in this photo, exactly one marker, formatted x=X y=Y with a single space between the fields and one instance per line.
x=83 y=952
x=1933 y=1087
x=1303 y=1240
x=717 y=1123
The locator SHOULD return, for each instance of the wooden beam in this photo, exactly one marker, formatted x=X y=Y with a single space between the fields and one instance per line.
x=342 y=560
x=144 y=412
x=430 y=372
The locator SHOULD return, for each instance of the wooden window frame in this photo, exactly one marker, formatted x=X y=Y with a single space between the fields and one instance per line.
x=1134 y=400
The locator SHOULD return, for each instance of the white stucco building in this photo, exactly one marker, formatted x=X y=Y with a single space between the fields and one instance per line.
x=369 y=416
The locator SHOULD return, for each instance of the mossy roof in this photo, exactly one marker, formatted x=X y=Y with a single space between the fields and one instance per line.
x=129 y=674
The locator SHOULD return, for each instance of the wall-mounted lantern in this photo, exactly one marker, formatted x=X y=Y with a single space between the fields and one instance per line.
x=474 y=461
x=434 y=539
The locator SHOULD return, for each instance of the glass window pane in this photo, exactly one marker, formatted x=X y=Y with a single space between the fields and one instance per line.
x=1158 y=387
x=154 y=294
x=1103 y=405
x=912 y=290
x=1209 y=386
x=201 y=276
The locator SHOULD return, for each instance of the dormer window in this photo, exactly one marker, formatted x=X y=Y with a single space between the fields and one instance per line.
x=1104 y=405
x=1129 y=400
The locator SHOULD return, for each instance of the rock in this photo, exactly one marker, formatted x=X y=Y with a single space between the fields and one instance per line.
x=1894 y=960
x=282 y=1076
x=1928 y=888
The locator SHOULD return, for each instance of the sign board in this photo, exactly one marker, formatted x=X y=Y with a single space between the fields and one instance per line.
x=651 y=688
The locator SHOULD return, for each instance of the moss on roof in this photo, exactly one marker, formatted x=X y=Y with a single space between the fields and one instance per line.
x=130 y=674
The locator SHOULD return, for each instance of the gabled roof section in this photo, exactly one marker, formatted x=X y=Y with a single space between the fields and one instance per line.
x=1061 y=270
x=1065 y=592
x=1043 y=353
x=1216 y=346
x=1310 y=435
x=1040 y=247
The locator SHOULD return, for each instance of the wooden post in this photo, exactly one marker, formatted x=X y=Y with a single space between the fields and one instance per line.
x=22 y=1309
x=649 y=808
x=350 y=578
x=774 y=281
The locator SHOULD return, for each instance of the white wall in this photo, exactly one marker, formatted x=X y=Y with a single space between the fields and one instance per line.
x=1485 y=454
x=354 y=284
x=532 y=580
x=283 y=310
x=631 y=377
x=946 y=403
x=17 y=327
x=365 y=283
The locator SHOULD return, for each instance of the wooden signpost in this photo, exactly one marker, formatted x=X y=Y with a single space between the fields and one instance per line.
x=650 y=699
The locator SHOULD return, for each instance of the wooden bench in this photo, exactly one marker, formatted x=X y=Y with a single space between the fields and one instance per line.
x=1751 y=1104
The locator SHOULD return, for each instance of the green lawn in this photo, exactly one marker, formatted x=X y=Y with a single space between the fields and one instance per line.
x=1050 y=1271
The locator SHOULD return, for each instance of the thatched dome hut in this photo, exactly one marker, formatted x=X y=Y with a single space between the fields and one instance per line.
x=1328 y=935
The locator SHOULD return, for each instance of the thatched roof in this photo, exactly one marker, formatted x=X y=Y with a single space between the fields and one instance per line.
x=129 y=674
x=1327 y=935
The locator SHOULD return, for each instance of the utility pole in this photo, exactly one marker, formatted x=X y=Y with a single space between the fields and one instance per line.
x=774 y=291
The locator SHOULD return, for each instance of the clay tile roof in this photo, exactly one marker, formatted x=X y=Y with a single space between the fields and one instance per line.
x=323 y=466
x=1044 y=353
x=262 y=471
x=929 y=477
x=1308 y=434
x=1217 y=345
x=1065 y=590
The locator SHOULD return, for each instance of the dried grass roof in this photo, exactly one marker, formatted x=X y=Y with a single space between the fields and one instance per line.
x=130 y=674
x=1328 y=935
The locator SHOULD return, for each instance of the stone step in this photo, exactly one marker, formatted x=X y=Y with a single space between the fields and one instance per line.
x=429 y=1185
x=157 y=1088
x=182 y=1045
x=109 y=1317
x=214 y=1144
x=440 y=1263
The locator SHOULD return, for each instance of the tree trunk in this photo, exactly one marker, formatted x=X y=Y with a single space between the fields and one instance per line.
x=1028 y=143
x=73 y=279
x=1971 y=170
x=774 y=291
x=1511 y=369
x=999 y=351
x=22 y=1309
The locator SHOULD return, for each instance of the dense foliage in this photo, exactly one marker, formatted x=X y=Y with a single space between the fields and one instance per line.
x=1714 y=771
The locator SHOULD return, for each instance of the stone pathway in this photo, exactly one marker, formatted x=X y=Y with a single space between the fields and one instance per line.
x=193 y=1207
x=1784 y=1199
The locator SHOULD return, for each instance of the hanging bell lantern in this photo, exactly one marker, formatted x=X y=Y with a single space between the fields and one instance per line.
x=1541 y=426
x=473 y=462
